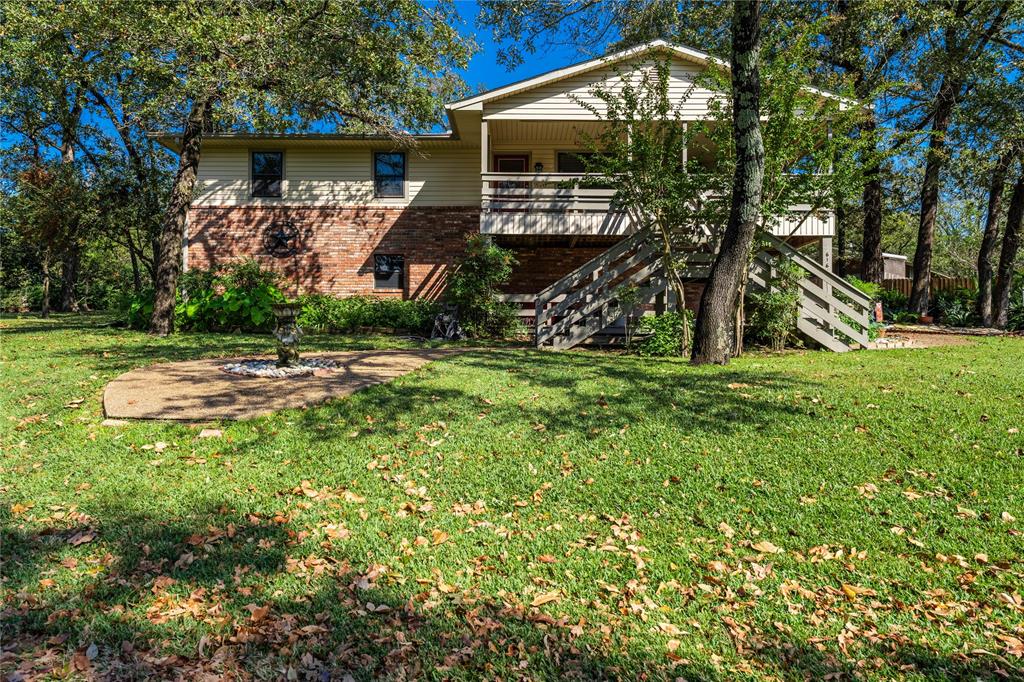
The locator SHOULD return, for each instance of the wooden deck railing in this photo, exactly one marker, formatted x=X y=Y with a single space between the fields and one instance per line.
x=563 y=204
x=832 y=311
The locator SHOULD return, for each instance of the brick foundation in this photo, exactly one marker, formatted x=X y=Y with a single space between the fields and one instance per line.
x=336 y=245
x=541 y=266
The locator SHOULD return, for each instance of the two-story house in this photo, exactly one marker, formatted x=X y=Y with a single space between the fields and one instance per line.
x=344 y=215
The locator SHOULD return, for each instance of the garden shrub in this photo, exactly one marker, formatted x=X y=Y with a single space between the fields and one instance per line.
x=955 y=308
x=893 y=303
x=238 y=297
x=664 y=334
x=350 y=314
x=869 y=289
x=138 y=309
x=196 y=280
x=23 y=299
x=474 y=287
x=773 y=314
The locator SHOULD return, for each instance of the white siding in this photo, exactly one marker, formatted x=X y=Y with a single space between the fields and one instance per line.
x=556 y=100
x=340 y=177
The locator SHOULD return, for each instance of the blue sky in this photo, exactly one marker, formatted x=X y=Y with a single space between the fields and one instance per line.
x=485 y=73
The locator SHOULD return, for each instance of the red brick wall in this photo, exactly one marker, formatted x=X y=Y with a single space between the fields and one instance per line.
x=541 y=266
x=337 y=244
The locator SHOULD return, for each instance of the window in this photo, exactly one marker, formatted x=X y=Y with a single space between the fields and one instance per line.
x=267 y=173
x=388 y=271
x=389 y=174
x=573 y=162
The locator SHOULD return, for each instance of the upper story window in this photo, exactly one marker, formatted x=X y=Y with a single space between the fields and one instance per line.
x=389 y=174
x=574 y=162
x=267 y=173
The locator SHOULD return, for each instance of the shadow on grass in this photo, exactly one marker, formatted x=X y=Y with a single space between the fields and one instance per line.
x=170 y=599
x=576 y=393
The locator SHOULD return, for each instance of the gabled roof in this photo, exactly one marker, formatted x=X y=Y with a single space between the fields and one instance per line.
x=686 y=53
x=663 y=46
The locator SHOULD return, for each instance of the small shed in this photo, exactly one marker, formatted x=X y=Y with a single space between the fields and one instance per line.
x=895 y=266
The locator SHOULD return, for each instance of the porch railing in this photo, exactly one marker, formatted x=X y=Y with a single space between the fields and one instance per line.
x=543 y=192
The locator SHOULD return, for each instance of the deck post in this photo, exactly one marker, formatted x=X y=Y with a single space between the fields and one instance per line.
x=825 y=258
x=538 y=312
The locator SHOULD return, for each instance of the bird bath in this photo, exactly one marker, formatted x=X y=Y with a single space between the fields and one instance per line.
x=287 y=332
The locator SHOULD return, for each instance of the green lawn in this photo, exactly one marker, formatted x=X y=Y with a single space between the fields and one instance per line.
x=514 y=514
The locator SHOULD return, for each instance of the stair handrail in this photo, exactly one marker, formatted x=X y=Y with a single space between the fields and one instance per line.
x=818 y=270
x=613 y=253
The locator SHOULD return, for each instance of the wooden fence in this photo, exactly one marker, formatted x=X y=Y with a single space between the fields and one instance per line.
x=903 y=285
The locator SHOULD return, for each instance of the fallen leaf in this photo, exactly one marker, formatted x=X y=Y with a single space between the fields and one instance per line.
x=257 y=613
x=438 y=537
x=767 y=548
x=82 y=537
x=546 y=598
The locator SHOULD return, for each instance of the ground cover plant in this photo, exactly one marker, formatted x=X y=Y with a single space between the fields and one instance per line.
x=520 y=514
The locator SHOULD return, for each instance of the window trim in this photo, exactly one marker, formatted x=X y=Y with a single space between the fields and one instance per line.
x=405 y=174
x=252 y=180
x=402 y=276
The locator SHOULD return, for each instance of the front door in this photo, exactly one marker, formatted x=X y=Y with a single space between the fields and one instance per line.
x=511 y=163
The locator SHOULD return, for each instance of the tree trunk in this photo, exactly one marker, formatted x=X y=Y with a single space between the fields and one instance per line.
x=675 y=283
x=136 y=275
x=172 y=230
x=935 y=160
x=44 y=305
x=961 y=51
x=1008 y=256
x=713 y=337
x=872 y=267
x=69 y=278
x=983 y=305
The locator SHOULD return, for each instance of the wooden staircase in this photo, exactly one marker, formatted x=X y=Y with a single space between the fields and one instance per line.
x=582 y=305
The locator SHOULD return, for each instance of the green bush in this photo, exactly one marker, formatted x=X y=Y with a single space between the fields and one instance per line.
x=22 y=299
x=196 y=280
x=906 y=317
x=232 y=308
x=138 y=309
x=893 y=302
x=346 y=315
x=773 y=314
x=869 y=289
x=665 y=334
x=474 y=287
x=238 y=297
x=955 y=308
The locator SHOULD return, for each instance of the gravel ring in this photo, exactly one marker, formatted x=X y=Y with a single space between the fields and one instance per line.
x=268 y=369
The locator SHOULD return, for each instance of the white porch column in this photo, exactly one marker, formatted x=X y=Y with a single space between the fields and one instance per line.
x=485 y=146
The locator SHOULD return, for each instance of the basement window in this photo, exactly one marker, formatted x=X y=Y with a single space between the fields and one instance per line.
x=388 y=271
x=267 y=173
